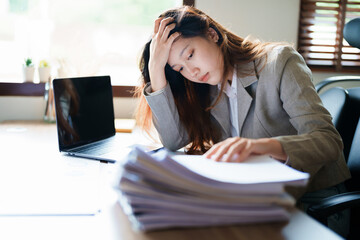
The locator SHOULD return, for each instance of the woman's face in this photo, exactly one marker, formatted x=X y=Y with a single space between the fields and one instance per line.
x=198 y=59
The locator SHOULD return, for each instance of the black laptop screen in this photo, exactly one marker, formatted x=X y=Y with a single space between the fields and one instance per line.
x=84 y=110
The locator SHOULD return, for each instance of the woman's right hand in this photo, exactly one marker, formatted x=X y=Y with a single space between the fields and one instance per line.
x=159 y=51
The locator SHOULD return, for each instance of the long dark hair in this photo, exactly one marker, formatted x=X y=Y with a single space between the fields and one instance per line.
x=193 y=99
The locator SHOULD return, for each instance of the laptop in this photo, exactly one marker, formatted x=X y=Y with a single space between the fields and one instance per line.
x=85 y=118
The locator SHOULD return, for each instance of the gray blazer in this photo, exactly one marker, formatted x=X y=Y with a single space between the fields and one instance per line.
x=281 y=103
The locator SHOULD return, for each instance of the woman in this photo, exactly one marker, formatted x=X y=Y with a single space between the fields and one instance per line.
x=215 y=92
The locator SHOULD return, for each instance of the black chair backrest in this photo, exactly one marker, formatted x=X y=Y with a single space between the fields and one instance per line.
x=338 y=79
x=354 y=162
x=352 y=32
x=335 y=101
x=344 y=107
x=354 y=154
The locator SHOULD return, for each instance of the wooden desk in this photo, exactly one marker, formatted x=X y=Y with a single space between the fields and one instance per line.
x=111 y=223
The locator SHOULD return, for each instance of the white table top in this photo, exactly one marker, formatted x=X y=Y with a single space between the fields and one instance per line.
x=29 y=151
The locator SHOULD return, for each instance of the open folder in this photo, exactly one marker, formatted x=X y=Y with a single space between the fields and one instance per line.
x=163 y=190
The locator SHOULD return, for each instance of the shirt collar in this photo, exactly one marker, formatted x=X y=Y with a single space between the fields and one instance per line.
x=230 y=90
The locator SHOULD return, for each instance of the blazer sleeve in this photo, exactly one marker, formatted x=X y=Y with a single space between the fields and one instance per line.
x=166 y=118
x=318 y=143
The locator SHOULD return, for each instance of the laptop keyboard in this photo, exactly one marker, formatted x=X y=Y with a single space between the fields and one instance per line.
x=97 y=148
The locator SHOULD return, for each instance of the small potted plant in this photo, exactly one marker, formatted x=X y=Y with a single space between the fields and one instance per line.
x=44 y=71
x=28 y=70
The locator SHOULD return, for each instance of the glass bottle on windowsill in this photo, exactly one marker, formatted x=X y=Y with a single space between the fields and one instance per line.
x=49 y=115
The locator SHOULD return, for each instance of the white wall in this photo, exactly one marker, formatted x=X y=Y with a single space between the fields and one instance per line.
x=268 y=20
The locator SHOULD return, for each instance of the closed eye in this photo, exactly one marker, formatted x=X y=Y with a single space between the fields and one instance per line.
x=191 y=55
x=181 y=69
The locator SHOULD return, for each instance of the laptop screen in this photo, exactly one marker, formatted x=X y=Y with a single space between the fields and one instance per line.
x=84 y=110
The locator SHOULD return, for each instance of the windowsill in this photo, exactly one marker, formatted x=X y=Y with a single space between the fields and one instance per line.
x=37 y=89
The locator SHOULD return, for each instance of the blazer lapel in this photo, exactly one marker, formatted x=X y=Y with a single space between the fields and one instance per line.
x=221 y=111
x=244 y=99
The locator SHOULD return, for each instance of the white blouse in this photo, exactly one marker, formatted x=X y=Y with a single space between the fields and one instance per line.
x=231 y=92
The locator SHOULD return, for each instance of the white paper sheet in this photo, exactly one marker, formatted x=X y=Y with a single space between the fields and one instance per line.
x=257 y=169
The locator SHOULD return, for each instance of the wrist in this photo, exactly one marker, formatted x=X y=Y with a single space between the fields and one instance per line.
x=272 y=147
x=157 y=79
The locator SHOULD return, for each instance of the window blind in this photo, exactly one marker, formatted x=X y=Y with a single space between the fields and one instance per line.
x=321 y=40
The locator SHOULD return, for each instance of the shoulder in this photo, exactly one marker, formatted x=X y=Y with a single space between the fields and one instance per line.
x=283 y=56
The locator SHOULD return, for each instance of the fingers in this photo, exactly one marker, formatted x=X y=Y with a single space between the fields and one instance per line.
x=239 y=151
x=162 y=29
x=165 y=34
x=173 y=37
x=232 y=149
x=215 y=149
x=223 y=149
x=163 y=24
x=157 y=25
x=218 y=150
x=212 y=151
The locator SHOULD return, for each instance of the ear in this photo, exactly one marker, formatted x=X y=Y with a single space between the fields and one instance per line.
x=213 y=35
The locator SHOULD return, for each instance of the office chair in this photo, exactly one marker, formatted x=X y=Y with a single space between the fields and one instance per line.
x=344 y=106
x=352 y=32
x=341 y=105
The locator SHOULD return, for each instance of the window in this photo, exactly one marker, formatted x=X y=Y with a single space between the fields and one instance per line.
x=321 y=35
x=82 y=37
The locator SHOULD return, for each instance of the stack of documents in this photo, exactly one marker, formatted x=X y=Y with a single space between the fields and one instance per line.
x=163 y=190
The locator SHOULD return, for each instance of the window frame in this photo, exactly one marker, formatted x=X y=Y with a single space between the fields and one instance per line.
x=304 y=29
x=27 y=89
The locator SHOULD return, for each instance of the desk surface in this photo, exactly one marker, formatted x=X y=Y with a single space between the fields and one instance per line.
x=22 y=145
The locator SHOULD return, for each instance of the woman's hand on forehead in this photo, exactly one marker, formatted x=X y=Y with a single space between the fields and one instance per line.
x=159 y=51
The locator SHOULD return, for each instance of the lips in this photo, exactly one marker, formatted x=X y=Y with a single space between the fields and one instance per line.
x=204 y=78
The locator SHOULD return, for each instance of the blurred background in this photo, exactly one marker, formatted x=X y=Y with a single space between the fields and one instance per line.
x=105 y=37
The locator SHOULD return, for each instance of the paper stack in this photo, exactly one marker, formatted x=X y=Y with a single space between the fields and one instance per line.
x=164 y=190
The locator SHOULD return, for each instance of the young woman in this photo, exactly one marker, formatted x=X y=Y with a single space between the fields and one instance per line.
x=228 y=97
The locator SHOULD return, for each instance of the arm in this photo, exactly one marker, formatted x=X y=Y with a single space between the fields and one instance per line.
x=318 y=142
x=166 y=118
x=158 y=93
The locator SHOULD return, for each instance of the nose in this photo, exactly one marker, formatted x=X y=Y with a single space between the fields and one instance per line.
x=193 y=70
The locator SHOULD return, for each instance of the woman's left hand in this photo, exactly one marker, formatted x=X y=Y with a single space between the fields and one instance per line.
x=239 y=149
